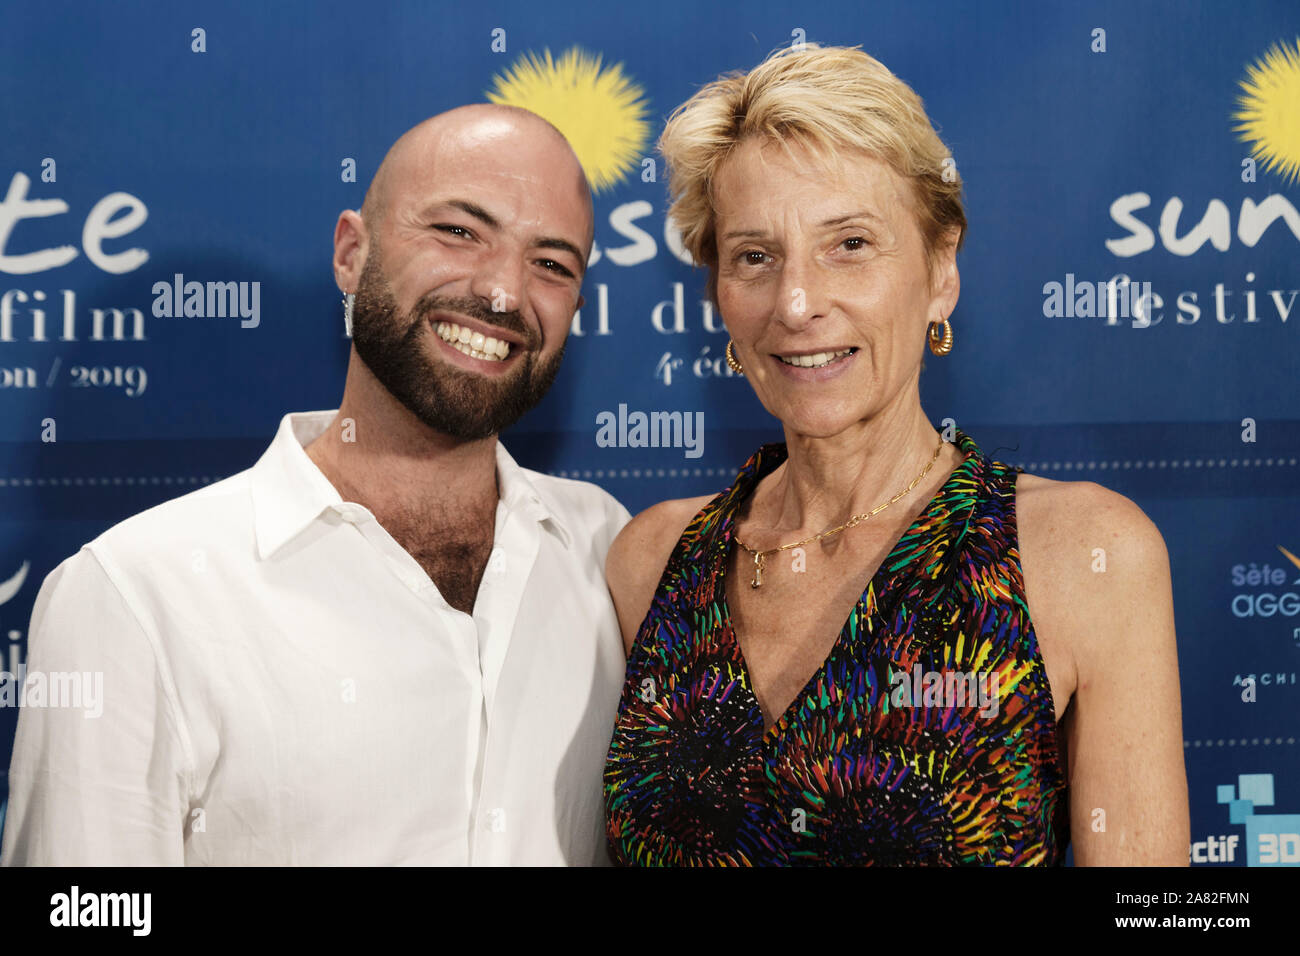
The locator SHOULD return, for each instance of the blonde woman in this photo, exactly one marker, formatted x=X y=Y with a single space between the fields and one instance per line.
x=876 y=646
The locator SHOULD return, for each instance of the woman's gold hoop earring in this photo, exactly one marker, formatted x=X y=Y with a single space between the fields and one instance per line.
x=731 y=360
x=941 y=344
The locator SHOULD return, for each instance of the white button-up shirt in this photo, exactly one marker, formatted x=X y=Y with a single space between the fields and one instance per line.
x=282 y=683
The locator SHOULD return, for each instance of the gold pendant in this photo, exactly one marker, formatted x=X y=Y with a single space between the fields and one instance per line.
x=758 y=571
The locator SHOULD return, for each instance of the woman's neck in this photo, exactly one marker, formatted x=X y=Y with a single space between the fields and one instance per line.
x=825 y=481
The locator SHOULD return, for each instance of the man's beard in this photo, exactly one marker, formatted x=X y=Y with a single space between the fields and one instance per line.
x=447 y=398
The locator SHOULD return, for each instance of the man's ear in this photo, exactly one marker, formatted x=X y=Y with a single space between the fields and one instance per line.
x=351 y=246
x=581 y=302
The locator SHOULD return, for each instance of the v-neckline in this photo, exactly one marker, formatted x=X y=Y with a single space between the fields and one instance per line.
x=971 y=453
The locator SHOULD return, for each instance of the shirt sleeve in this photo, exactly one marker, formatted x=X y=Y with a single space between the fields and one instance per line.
x=98 y=776
x=616 y=517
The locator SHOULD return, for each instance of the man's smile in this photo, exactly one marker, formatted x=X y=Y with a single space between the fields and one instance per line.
x=472 y=343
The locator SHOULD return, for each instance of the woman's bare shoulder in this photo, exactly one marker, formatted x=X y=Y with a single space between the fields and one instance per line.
x=1067 y=514
x=1086 y=550
x=638 y=555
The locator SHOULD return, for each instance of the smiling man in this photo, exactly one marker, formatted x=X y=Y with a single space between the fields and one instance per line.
x=386 y=642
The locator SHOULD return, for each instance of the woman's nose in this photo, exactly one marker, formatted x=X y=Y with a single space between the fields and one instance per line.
x=796 y=296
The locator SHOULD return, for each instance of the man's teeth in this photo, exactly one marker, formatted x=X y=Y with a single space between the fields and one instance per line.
x=473 y=343
x=813 y=361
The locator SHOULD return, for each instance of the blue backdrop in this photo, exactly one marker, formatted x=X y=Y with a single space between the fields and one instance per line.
x=220 y=142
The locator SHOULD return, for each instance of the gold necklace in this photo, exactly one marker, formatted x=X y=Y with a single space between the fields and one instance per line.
x=852 y=522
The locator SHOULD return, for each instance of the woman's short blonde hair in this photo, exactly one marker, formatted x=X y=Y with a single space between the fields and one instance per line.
x=825 y=98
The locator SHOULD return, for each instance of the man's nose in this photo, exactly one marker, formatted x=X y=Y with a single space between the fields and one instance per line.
x=499 y=281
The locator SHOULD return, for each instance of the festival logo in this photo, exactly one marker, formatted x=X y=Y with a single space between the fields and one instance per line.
x=1268 y=109
x=1272 y=839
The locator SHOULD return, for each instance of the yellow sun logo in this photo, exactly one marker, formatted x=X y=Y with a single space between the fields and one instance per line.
x=601 y=111
x=1270 y=110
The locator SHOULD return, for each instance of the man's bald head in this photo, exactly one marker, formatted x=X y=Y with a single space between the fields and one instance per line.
x=464 y=127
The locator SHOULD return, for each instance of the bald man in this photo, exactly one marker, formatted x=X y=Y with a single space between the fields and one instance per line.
x=386 y=642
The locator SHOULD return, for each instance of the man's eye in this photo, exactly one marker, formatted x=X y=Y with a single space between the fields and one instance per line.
x=459 y=231
x=555 y=267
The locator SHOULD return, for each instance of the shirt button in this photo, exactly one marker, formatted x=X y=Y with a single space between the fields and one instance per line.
x=496 y=821
x=352 y=514
x=497 y=561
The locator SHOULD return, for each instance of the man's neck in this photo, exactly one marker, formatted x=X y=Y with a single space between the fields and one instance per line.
x=378 y=454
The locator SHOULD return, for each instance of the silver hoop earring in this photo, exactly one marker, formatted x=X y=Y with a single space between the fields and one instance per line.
x=347 y=313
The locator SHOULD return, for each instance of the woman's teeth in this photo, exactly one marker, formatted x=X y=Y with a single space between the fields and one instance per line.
x=474 y=344
x=814 y=361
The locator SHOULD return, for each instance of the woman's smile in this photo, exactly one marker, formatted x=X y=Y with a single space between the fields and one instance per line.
x=814 y=366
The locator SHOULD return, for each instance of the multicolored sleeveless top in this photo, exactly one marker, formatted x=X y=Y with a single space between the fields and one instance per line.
x=927 y=737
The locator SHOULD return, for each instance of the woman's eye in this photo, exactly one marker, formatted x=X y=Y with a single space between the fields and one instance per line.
x=753 y=257
x=856 y=242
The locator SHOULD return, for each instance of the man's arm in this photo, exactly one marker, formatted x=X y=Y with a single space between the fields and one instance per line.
x=101 y=779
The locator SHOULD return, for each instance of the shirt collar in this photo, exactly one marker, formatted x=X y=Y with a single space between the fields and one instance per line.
x=290 y=492
x=519 y=490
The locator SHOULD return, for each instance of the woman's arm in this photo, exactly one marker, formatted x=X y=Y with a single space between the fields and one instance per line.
x=637 y=558
x=1128 y=785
